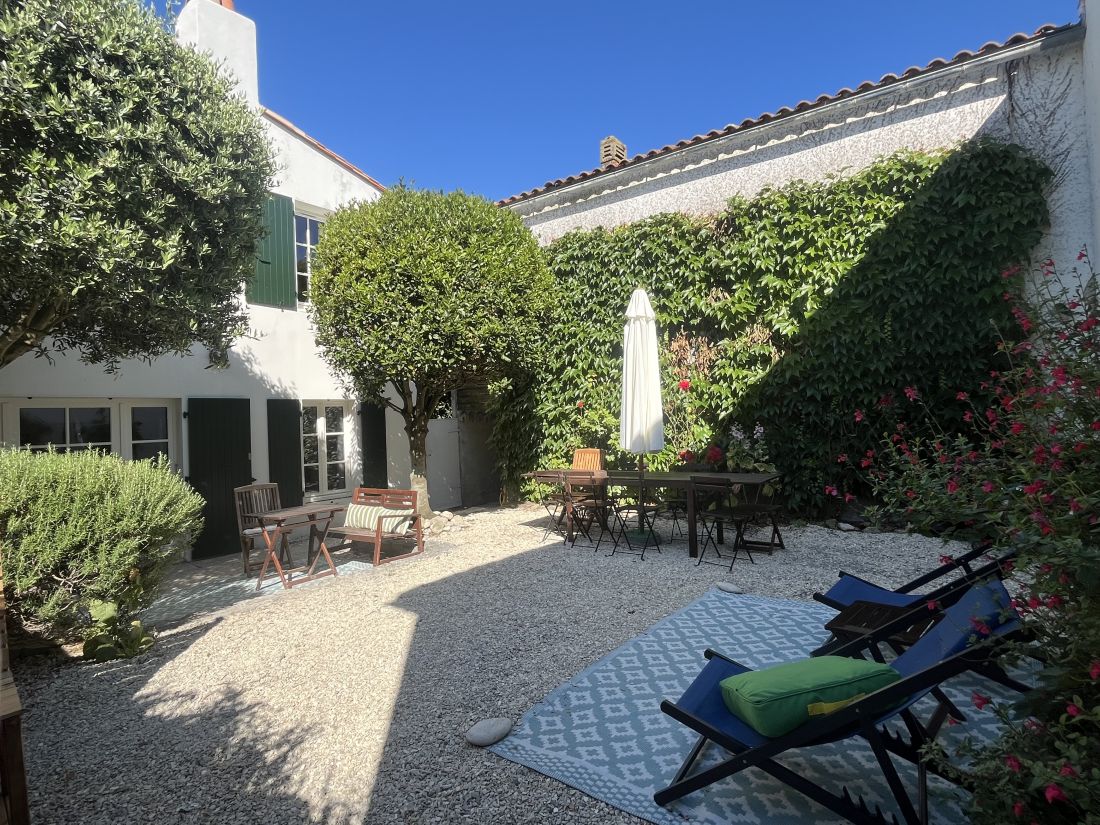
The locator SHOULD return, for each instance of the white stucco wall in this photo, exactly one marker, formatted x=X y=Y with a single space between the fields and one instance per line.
x=1033 y=95
x=229 y=37
x=1091 y=58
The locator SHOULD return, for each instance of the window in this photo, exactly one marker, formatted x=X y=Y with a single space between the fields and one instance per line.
x=136 y=428
x=66 y=428
x=306 y=232
x=324 y=446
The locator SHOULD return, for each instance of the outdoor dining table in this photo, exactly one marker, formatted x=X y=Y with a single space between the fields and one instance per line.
x=277 y=527
x=752 y=484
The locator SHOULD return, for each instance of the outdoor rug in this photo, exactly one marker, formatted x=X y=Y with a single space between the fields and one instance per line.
x=603 y=732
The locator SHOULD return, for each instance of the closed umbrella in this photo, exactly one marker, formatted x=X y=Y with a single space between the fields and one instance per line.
x=641 y=420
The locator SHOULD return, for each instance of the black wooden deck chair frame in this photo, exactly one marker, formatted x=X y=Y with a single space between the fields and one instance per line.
x=925 y=666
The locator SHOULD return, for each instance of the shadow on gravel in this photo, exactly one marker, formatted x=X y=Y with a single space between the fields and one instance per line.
x=151 y=757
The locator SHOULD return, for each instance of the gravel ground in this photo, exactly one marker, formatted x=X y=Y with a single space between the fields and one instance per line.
x=347 y=701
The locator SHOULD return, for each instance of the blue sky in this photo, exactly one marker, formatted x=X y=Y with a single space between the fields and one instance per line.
x=498 y=97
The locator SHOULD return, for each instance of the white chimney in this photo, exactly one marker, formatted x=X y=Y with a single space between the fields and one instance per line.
x=212 y=26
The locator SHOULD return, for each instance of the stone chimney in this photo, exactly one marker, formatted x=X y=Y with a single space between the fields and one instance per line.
x=212 y=26
x=612 y=151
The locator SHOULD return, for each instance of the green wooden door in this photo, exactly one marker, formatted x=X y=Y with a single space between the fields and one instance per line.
x=219 y=453
x=284 y=448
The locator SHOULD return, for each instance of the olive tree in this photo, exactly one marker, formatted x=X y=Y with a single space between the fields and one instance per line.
x=132 y=183
x=421 y=293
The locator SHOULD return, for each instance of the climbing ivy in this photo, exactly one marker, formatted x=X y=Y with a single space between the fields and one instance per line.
x=792 y=309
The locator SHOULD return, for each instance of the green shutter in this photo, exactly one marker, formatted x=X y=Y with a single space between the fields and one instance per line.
x=275 y=282
x=284 y=448
x=372 y=444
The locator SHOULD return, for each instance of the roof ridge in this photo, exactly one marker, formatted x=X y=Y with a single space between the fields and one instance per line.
x=963 y=56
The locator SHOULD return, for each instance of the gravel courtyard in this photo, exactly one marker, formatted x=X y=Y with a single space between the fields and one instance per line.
x=346 y=701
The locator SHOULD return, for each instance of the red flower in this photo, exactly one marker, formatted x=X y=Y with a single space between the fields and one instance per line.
x=849 y=498
x=1094 y=670
x=1073 y=710
x=687 y=456
x=1074 y=506
x=952 y=485
x=1084 y=253
x=946 y=559
x=1095 y=426
x=842 y=458
x=932 y=605
x=910 y=494
x=911 y=393
x=580 y=405
x=1013 y=763
x=1054 y=794
x=968 y=416
x=1088 y=324
x=980 y=700
x=830 y=490
x=1018 y=809
x=961 y=396
x=1055 y=602
x=991 y=416
x=859 y=415
x=685 y=385
x=980 y=627
x=1067 y=770
x=987 y=486
x=1034 y=487
x=713 y=455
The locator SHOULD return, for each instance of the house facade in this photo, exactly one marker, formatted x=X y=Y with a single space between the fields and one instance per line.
x=276 y=412
x=1039 y=90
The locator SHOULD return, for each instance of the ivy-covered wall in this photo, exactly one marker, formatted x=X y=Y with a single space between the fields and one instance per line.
x=792 y=310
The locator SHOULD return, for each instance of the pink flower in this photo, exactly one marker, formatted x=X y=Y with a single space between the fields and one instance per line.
x=685 y=385
x=911 y=393
x=952 y=485
x=1084 y=253
x=1073 y=710
x=987 y=486
x=830 y=490
x=932 y=605
x=859 y=415
x=1013 y=763
x=842 y=458
x=849 y=498
x=945 y=559
x=961 y=396
x=980 y=628
x=980 y=700
x=1067 y=770
x=1094 y=670
x=1018 y=809
x=1054 y=794
x=968 y=416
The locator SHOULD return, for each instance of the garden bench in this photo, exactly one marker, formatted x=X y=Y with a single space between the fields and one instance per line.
x=376 y=514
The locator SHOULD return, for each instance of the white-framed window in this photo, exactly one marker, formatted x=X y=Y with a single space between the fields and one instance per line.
x=307 y=229
x=132 y=428
x=326 y=426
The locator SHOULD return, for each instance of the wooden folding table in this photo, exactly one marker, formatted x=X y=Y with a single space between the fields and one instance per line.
x=279 y=524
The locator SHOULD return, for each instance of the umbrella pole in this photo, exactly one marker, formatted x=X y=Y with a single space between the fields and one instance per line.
x=641 y=493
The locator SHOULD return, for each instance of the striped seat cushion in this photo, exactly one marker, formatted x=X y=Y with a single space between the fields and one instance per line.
x=365 y=517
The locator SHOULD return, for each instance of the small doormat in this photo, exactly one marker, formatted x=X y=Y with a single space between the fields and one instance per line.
x=603 y=732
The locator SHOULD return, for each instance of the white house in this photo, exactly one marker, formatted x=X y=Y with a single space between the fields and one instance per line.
x=1039 y=90
x=276 y=413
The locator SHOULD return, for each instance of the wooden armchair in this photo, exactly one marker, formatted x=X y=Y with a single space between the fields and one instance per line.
x=589 y=458
x=368 y=521
x=252 y=499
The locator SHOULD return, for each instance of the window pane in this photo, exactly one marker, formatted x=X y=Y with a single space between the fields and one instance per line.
x=334 y=419
x=334 y=449
x=302 y=259
x=150 y=449
x=309 y=449
x=149 y=424
x=41 y=425
x=309 y=420
x=312 y=483
x=336 y=476
x=314 y=232
x=303 y=288
x=90 y=425
x=300 y=225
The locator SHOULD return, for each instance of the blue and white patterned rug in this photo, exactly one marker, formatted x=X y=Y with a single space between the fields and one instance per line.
x=604 y=733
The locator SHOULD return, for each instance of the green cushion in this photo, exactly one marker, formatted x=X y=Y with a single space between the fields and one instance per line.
x=778 y=699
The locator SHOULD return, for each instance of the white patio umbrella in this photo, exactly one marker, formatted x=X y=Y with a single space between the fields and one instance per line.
x=641 y=420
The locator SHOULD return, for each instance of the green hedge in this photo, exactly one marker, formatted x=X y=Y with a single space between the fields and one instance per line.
x=791 y=309
x=81 y=526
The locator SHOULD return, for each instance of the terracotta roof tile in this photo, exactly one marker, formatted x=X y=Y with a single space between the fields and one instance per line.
x=991 y=47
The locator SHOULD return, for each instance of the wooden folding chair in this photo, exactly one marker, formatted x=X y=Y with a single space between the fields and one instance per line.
x=589 y=458
x=250 y=500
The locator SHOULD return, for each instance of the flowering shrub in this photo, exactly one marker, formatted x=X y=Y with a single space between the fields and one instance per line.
x=748 y=451
x=1024 y=473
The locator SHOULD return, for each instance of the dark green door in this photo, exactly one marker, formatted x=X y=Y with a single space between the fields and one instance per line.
x=220 y=456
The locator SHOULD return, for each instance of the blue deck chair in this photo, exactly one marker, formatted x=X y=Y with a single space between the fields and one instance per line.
x=849 y=588
x=949 y=648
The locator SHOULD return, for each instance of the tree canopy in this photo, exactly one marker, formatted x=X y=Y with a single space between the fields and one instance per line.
x=132 y=182
x=427 y=292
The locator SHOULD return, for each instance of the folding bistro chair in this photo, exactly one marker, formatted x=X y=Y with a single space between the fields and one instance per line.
x=622 y=515
x=947 y=650
x=722 y=511
x=550 y=488
x=250 y=500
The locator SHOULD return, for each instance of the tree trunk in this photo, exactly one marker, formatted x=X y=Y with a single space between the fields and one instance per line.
x=416 y=427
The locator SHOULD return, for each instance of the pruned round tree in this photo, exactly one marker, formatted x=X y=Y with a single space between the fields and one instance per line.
x=420 y=293
x=132 y=182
